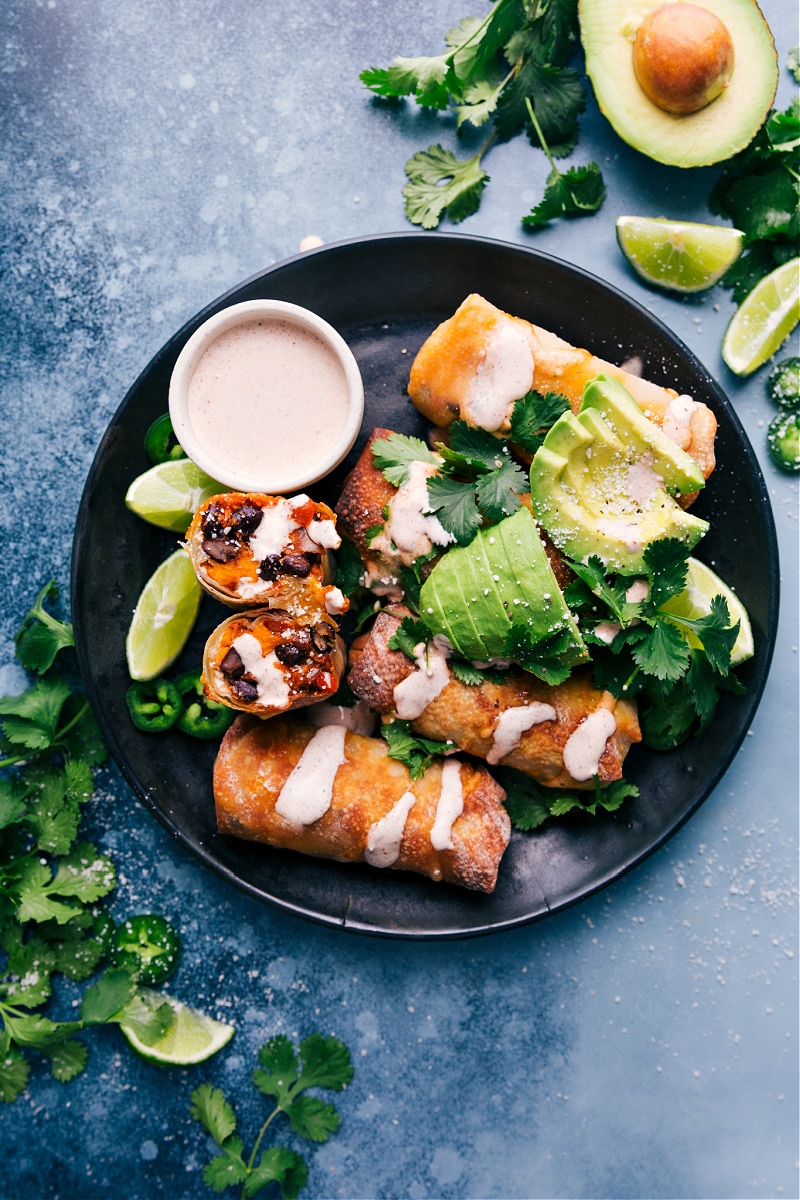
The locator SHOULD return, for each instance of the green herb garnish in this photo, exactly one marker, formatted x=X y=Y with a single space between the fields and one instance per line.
x=493 y=72
x=323 y=1063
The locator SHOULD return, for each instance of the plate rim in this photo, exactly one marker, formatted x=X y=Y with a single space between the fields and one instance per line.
x=194 y=846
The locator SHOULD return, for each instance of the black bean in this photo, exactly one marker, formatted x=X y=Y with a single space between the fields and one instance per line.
x=246 y=520
x=220 y=549
x=296 y=564
x=270 y=568
x=245 y=689
x=291 y=654
x=232 y=665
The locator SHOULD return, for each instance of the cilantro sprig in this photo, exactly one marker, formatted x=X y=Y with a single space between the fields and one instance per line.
x=322 y=1063
x=52 y=884
x=759 y=192
x=496 y=72
x=477 y=480
x=415 y=752
x=529 y=804
x=676 y=665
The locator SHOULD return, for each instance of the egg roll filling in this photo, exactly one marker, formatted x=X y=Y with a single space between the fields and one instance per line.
x=268 y=662
x=251 y=548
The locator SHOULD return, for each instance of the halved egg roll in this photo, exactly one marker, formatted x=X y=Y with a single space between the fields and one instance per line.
x=267 y=662
x=250 y=549
x=559 y=735
x=335 y=794
x=479 y=362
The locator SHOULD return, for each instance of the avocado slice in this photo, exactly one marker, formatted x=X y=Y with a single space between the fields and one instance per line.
x=476 y=593
x=724 y=126
x=602 y=481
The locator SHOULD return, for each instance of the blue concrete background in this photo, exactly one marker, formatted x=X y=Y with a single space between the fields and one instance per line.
x=643 y=1043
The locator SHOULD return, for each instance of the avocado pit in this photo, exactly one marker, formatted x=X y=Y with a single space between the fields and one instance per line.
x=682 y=57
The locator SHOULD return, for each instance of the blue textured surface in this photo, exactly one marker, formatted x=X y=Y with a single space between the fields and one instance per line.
x=643 y=1043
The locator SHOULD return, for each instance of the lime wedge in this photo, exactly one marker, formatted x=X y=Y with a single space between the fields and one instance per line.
x=192 y=1038
x=764 y=319
x=701 y=587
x=169 y=493
x=163 y=618
x=683 y=256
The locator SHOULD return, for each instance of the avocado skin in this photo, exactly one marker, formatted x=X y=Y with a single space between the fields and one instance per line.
x=475 y=592
x=580 y=476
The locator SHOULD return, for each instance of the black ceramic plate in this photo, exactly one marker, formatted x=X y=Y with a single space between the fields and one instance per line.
x=385 y=294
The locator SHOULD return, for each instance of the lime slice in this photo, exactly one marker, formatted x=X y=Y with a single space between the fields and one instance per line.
x=163 y=618
x=169 y=493
x=764 y=319
x=701 y=587
x=192 y=1038
x=683 y=256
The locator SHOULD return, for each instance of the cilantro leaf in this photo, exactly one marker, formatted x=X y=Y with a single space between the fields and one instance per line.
x=225 y=1170
x=465 y=673
x=558 y=96
x=456 y=506
x=313 y=1118
x=498 y=492
x=541 y=657
x=408 y=635
x=14 y=1073
x=394 y=454
x=147 y=1015
x=278 y=1165
x=209 y=1107
x=67 y=1059
x=532 y=416
x=41 y=635
x=416 y=753
x=575 y=193
x=106 y=999
x=32 y=717
x=279 y=1069
x=12 y=801
x=439 y=184
x=659 y=650
x=326 y=1063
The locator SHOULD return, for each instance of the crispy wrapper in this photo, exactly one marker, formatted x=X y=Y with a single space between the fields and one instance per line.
x=256 y=759
x=468 y=715
x=252 y=550
x=266 y=662
x=443 y=376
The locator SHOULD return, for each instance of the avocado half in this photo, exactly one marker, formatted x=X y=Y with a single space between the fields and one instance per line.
x=723 y=127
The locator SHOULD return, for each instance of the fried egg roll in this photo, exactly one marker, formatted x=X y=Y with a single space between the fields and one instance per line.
x=476 y=364
x=334 y=794
x=390 y=527
x=250 y=549
x=547 y=732
x=267 y=662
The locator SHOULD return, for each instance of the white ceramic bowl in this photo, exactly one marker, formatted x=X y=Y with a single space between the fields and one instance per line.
x=286 y=439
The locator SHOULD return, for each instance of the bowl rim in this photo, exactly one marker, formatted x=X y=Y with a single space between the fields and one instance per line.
x=215 y=326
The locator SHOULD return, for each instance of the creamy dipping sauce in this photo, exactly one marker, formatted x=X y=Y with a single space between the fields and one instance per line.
x=307 y=793
x=386 y=835
x=586 y=746
x=511 y=725
x=449 y=807
x=419 y=689
x=266 y=396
